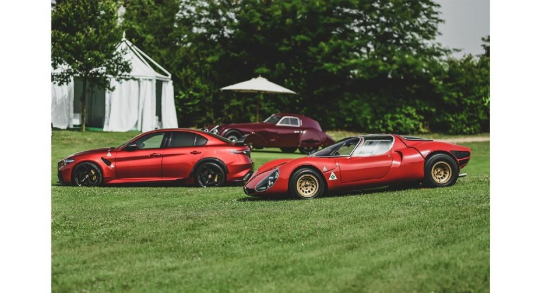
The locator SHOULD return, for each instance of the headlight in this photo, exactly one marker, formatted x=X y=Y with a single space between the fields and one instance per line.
x=268 y=181
x=66 y=162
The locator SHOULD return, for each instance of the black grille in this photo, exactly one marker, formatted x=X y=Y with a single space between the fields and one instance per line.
x=249 y=191
x=461 y=154
x=463 y=162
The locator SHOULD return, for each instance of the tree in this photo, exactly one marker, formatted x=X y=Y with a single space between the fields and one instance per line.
x=84 y=39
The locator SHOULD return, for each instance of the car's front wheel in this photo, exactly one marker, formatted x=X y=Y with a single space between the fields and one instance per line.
x=441 y=170
x=307 y=150
x=306 y=183
x=210 y=175
x=87 y=174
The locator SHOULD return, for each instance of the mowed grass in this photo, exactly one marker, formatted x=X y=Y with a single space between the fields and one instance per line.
x=186 y=239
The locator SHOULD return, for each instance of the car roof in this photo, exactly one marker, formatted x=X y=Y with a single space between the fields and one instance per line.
x=292 y=114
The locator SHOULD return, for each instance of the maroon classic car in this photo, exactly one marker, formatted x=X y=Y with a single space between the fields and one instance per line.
x=285 y=131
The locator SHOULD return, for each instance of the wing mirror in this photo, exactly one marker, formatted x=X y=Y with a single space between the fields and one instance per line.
x=132 y=147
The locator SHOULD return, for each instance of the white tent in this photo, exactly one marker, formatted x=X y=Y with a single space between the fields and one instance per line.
x=144 y=102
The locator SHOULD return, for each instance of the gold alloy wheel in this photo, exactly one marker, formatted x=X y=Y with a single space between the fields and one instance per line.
x=93 y=174
x=307 y=185
x=441 y=172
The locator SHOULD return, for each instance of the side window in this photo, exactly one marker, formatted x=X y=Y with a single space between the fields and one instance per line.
x=182 y=139
x=290 y=121
x=151 y=141
x=200 y=140
x=294 y=121
x=347 y=147
x=373 y=148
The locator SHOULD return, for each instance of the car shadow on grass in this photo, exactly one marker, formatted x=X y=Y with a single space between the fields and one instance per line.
x=357 y=192
x=176 y=184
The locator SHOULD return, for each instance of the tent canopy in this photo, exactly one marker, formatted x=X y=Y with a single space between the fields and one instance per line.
x=132 y=105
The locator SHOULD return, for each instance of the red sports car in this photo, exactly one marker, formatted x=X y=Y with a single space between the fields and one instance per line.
x=190 y=155
x=365 y=161
x=285 y=131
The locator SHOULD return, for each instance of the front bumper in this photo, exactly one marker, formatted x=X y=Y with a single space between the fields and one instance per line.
x=64 y=175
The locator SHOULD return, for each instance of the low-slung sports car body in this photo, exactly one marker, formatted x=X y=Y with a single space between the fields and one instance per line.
x=358 y=162
x=285 y=131
x=192 y=156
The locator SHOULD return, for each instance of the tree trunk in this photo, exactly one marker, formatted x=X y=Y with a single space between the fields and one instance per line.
x=84 y=104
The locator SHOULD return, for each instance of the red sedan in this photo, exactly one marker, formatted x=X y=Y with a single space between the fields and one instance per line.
x=365 y=161
x=192 y=156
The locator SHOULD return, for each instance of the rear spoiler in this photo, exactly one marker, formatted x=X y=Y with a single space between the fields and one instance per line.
x=241 y=140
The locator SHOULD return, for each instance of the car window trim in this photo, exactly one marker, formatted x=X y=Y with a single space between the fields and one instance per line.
x=365 y=140
x=361 y=139
x=168 y=146
x=162 y=144
x=283 y=117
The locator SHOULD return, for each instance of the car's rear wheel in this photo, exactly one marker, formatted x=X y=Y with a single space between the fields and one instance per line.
x=441 y=170
x=306 y=183
x=288 y=150
x=87 y=174
x=307 y=150
x=233 y=135
x=210 y=175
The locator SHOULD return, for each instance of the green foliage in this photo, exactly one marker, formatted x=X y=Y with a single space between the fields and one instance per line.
x=84 y=39
x=369 y=65
x=464 y=104
x=84 y=36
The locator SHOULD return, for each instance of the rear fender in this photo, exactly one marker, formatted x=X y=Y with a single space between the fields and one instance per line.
x=310 y=138
x=205 y=160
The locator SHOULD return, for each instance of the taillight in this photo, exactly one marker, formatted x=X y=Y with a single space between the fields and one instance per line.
x=244 y=152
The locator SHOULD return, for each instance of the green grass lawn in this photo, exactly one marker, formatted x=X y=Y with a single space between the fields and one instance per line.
x=186 y=239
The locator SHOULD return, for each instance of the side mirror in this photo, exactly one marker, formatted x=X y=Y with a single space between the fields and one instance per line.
x=132 y=147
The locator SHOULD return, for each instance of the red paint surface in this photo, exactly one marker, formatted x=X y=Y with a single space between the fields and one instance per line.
x=404 y=162
x=162 y=164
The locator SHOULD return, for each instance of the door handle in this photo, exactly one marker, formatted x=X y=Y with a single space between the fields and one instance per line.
x=155 y=155
x=195 y=152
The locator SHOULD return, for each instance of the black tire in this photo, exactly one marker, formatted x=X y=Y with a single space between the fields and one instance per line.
x=233 y=135
x=307 y=150
x=441 y=170
x=311 y=184
x=210 y=175
x=87 y=174
x=288 y=150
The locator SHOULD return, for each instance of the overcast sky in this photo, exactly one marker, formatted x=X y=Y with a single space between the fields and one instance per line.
x=466 y=22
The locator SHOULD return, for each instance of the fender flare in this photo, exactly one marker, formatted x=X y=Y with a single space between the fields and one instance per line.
x=310 y=138
x=205 y=160
x=88 y=161
x=310 y=167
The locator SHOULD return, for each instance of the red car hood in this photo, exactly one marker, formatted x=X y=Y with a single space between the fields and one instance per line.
x=93 y=151
x=273 y=164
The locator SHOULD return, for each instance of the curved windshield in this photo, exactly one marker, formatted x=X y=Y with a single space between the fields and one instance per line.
x=273 y=119
x=342 y=148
